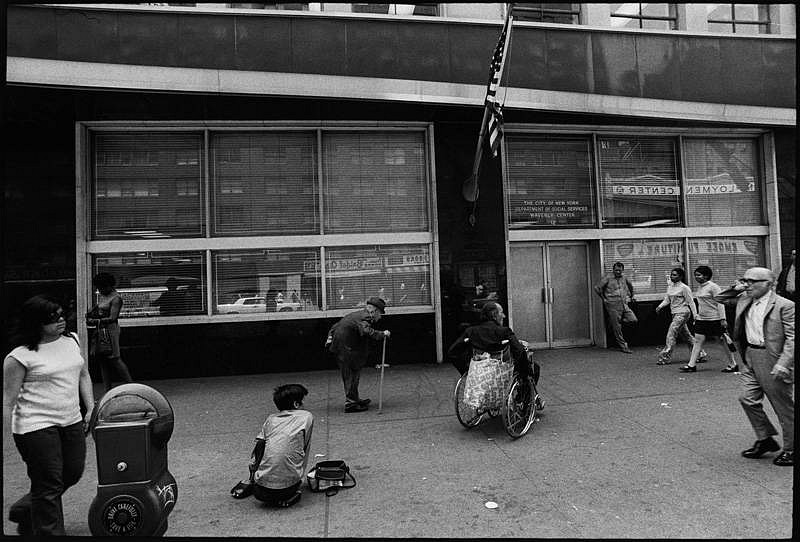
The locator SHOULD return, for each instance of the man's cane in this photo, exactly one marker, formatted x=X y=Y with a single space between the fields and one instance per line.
x=382 y=365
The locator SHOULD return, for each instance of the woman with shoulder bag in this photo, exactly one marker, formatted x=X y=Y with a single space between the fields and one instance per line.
x=710 y=322
x=43 y=378
x=105 y=340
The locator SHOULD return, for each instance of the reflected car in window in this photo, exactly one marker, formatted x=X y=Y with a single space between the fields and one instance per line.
x=249 y=305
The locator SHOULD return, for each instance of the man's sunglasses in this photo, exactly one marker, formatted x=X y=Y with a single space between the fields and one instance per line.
x=753 y=281
x=56 y=316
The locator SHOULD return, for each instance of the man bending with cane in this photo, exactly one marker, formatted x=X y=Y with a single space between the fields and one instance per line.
x=348 y=340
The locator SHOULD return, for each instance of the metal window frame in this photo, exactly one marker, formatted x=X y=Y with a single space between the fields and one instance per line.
x=733 y=21
x=673 y=8
x=768 y=231
x=590 y=140
x=574 y=11
x=87 y=248
x=437 y=6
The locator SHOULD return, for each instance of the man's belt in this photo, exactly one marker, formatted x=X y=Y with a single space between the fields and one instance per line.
x=756 y=347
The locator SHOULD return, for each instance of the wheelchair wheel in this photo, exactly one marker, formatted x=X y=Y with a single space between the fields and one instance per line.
x=520 y=408
x=468 y=416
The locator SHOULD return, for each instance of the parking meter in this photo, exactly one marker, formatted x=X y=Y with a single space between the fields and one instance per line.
x=135 y=491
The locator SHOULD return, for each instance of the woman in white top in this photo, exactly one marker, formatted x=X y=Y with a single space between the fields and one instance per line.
x=681 y=303
x=42 y=379
x=710 y=321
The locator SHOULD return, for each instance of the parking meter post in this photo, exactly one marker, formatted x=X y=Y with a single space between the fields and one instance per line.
x=135 y=491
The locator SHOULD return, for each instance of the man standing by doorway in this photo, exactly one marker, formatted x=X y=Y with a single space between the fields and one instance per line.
x=348 y=340
x=616 y=291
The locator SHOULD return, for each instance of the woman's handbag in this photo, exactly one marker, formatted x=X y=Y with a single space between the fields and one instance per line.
x=104 y=346
x=330 y=477
x=729 y=342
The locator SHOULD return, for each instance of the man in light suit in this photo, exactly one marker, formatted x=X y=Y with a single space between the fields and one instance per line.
x=764 y=328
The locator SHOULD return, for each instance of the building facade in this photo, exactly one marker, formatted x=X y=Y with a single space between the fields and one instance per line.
x=251 y=172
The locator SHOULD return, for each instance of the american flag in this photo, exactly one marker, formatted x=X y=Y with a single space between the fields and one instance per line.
x=495 y=71
x=495 y=127
x=491 y=132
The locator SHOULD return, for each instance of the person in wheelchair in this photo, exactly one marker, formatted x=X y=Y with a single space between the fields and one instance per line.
x=489 y=336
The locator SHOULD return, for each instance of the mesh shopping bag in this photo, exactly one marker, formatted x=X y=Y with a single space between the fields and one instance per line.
x=488 y=380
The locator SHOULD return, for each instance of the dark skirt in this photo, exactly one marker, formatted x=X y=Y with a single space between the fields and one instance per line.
x=709 y=328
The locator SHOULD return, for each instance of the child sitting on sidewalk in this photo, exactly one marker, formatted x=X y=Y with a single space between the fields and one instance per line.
x=279 y=459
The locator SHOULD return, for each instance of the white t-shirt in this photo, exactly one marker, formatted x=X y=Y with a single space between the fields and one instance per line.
x=49 y=393
x=287 y=434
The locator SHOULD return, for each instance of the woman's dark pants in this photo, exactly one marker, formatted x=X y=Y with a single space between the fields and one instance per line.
x=55 y=457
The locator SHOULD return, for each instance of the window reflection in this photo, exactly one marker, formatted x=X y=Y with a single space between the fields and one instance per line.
x=639 y=15
x=738 y=18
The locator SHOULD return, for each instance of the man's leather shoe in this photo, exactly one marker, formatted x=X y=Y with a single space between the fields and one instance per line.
x=355 y=407
x=364 y=401
x=729 y=369
x=761 y=447
x=786 y=459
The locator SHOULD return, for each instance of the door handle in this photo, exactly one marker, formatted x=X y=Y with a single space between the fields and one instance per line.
x=544 y=295
x=551 y=295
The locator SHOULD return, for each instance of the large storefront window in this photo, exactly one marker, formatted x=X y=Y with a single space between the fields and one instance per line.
x=264 y=183
x=277 y=200
x=374 y=182
x=647 y=261
x=639 y=182
x=147 y=186
x=157 y=283
x=269 y=280
x=398 y=274
x=722 y=182
x=728 y=257
x=549 y=182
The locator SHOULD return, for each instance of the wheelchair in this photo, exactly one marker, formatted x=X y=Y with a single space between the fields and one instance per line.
x=518 y=410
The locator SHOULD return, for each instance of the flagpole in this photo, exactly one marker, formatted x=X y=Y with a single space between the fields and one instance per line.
x=470 y=192
x=469 y=189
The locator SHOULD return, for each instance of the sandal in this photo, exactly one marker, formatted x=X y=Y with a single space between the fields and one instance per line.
x=242 y=490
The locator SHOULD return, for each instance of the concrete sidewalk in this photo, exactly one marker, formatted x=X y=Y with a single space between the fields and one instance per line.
x=624 y=448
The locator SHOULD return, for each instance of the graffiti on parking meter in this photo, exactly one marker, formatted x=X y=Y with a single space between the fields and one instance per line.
x=166 y=494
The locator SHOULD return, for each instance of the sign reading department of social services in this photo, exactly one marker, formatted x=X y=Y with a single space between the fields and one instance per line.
x=551 y=212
